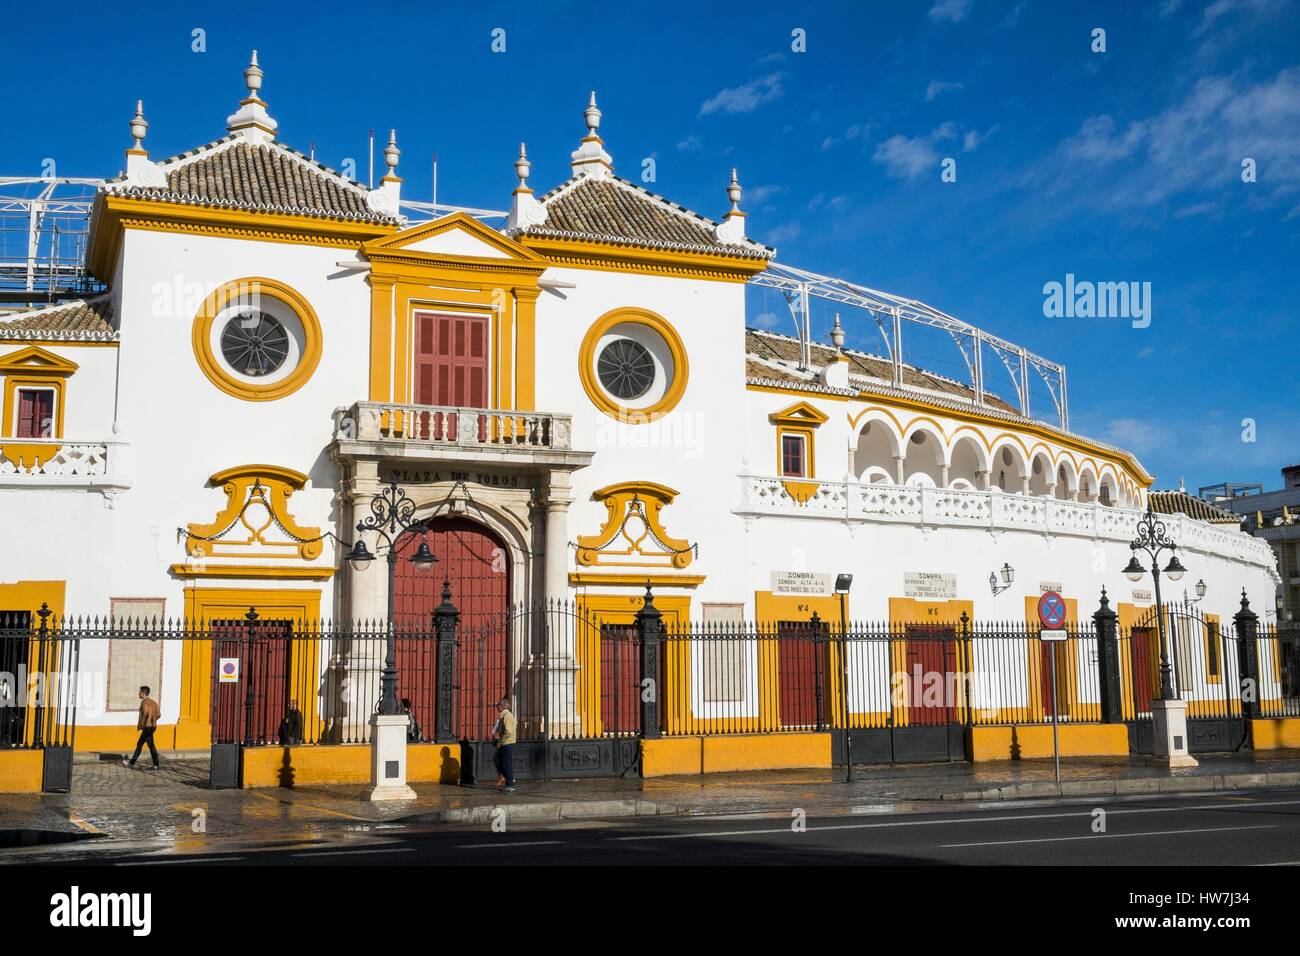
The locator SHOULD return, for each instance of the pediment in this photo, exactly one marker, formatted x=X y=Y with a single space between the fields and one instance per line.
x=36 y=359
x=800 y=413
x=458 y=236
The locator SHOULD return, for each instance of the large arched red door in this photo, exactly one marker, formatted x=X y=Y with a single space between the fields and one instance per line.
x=475 y=562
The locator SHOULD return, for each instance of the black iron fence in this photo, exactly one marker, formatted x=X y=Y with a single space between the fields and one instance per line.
x=572 y=676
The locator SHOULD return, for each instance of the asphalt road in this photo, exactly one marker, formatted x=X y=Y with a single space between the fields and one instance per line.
x=1190 y=830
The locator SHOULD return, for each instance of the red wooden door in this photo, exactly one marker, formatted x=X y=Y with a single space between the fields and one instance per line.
x=931 y=674
x=619 y=667
x=802 y=673
x=1145 y=668
x=1061 y=699
x=476 y=564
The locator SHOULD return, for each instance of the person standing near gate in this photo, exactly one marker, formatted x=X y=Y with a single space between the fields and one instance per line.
x=146 y=724
x=503 y=736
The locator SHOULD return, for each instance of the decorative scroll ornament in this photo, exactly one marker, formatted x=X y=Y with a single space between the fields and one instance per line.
x=255 y=521
x=633 y=534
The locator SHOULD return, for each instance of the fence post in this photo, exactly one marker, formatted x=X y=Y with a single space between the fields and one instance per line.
x=251 y=618
x=1247 y=622
x=43 y=638
x=1108 y=672
x=649 y=630
x=969 y=668
x=445 y=620
x=816 y=625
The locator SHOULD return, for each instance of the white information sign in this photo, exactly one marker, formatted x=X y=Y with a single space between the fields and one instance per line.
x=228 y=670
x=802 y=582
x=929 y=585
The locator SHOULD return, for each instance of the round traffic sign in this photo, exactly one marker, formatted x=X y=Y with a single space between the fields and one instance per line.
x=1051 y=611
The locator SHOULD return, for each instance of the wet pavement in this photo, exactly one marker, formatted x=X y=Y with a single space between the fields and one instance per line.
x=173 y=811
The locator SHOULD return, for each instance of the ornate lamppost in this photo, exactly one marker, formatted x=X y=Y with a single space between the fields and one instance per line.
x=392 y=519
x=1152 y=539
x=1169 y=713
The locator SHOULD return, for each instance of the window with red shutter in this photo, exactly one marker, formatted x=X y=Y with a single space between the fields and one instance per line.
x=35 y=413
x=792 y=456
x=451 y=358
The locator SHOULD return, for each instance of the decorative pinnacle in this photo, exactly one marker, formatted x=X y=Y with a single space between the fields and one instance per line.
x=592 y=115
x=391 y=153
x=523 y=167
x=837 y=333
x=139 y=126
x=253 y=78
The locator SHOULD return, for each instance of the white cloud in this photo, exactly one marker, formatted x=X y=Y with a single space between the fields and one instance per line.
x=766 y=320
x=907 y=157
x=746 y=98
x=691 y=144
x=784 y=232
x=974 y=139
x=1198 y=144
x=938 y=87
x=1221 y=9
x=954 y=11
x=757 y=195
x=1169 y=8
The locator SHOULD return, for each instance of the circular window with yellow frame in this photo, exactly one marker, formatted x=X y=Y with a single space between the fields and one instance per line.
x=257 y=339
x=633 y=365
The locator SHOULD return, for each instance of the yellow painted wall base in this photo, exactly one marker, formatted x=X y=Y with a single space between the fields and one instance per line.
x=1275 y=733
x=1028 y=741
x=310 y=764
x=678 y=755
x=21 y=771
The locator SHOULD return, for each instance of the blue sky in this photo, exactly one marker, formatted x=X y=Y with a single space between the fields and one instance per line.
x=1115 y=166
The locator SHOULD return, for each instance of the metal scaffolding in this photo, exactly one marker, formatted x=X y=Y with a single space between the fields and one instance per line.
x=890 y=312
x=44 y=229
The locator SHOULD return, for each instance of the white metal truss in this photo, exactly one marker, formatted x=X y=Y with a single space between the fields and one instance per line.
x=44 y=262
x=435 y=210
x=889 y=311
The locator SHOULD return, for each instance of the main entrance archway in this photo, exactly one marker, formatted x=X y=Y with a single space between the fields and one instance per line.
x=476 y=562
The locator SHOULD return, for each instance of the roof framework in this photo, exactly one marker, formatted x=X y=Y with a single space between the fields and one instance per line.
x=891 y=312
x=43 y=232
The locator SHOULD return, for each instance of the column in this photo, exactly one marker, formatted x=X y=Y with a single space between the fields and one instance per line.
x=900 y=469
x=356 y=663
x=562 y=664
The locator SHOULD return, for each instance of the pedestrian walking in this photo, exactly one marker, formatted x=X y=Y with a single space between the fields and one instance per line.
x=503 y=736
x=147 y=723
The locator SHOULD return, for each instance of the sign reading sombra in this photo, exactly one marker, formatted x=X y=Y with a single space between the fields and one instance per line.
x=929 y=585
x=802 y=582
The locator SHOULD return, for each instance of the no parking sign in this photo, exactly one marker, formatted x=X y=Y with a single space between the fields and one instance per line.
x=228 y=670
x=1051 y=613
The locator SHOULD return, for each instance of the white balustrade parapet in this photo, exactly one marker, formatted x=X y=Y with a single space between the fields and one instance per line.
x=30 y=463
x=452 y=427
x=993 y=510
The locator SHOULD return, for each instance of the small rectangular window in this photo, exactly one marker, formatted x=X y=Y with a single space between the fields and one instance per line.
x=35 y=413
x=793 y=464
x=1212 y=650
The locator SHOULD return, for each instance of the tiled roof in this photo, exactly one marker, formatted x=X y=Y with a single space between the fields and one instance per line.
x=612 y=209
x=258 y=177
x=1180 y=502
x=783 y=348
x=81 y=320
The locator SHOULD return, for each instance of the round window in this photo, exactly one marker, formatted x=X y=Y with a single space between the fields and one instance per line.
x=254 y=343
x=626 y=369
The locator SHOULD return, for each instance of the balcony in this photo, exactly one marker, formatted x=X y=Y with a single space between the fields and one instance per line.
x=991 y=510
x=62 y=463
x=470 y=435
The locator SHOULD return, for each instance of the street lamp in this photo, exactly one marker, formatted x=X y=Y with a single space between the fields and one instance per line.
x=1008 y=576
x=392 y=519
x=842 y=584
x=1152 y=539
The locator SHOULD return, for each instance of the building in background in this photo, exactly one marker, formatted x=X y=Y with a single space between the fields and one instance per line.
x=1275 y=517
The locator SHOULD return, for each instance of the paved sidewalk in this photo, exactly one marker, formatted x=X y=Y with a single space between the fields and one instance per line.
x=163 y=809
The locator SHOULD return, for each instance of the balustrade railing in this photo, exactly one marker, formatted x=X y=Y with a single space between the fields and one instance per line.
x=450 y=426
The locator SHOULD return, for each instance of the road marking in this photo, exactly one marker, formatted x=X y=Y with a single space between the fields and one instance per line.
x=492 y=846
x=922 y=823
x=312 y=806
x=358 y=850
x=1284 y=863
x=1106 y=836
x=182 y=859
x=78 y=822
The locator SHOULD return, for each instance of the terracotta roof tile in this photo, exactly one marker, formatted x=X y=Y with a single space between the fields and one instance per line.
x=1180 y=502
x=79 y=320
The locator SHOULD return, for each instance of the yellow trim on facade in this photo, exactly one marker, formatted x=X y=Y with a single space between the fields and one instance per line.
x=618 y=499
x=1067 y=666
x=35 y=368
x=632 y=579
x=252 y=287
x=905 y=611
x=251 y=571
x=591 y=383
x=119 y=213
x=269 y=488
x=614 y=257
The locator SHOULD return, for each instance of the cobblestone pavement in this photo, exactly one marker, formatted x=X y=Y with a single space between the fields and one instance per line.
x=173 y=811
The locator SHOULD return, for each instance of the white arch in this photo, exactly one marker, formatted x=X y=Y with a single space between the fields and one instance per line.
x=1007 y=474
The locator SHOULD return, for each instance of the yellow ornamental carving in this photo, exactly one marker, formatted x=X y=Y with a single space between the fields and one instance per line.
x=633 y=534
x=256 y=521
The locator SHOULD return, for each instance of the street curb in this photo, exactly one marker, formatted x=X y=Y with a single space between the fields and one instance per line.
x=550 y=811
x=1127 y=787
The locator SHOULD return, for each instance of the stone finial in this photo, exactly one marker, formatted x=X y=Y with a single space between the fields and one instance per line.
x=253 y=78
x=732 y=228
x=590 y=158
x=523 y=168
x=391 y=155
x=733 y=194
x=837 y=333
x=139 y=126
x=252 y=121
